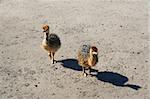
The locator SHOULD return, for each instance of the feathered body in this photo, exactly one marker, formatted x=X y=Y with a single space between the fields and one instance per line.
x=83 y=55
x=87 y=56
x=51 y=42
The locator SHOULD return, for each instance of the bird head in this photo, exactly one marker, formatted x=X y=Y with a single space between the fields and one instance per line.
x=94 y=50
x=45 y=28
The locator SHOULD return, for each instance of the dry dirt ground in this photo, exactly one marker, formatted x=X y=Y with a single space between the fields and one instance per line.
x=119 y=28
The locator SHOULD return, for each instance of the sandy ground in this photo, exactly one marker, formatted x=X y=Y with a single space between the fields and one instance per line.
x=118 y=28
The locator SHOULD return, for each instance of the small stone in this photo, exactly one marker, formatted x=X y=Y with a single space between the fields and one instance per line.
x=16 y=37
x=36 y=85
x=17 y=89
x=138 y=52
x=146 y=61
x=27 y=84
x=8 y=73
x=4 y=92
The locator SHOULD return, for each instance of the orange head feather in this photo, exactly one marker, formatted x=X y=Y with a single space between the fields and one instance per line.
x=94 y=49
x=45 y=28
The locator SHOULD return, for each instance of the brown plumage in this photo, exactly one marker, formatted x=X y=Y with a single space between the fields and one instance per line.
x=87 y=57
x=51 y=42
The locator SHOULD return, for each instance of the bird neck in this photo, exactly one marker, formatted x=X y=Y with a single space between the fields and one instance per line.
x=93 y=59
x=46 y=35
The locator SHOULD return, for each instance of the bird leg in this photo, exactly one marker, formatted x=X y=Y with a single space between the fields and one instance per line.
x=52 y=54
x=90 y=70
x=84 y=73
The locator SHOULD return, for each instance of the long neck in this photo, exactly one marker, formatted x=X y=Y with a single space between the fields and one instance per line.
x=93 y=59
x=46 y=35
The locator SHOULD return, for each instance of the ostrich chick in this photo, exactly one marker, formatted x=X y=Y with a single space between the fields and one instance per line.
x=87 y=57
x=51 y=42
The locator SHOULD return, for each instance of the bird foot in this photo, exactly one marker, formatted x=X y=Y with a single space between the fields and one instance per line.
x=53 y=61
x=84 y=74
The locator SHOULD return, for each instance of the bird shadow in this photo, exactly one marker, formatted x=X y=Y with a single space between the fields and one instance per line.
x=71 y=64
x=104 y=76
x=115 y=79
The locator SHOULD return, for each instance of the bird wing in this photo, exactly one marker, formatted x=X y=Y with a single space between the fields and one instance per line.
x=83 y=54
x=54 y=41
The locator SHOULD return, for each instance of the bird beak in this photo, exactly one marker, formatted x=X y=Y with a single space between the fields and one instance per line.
x=94 y=53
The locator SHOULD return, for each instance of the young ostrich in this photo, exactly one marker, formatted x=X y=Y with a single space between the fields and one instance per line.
x=51 y=43
x=87 y=57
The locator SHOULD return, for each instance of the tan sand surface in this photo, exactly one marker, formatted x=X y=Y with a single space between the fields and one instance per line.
x=119 y=28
